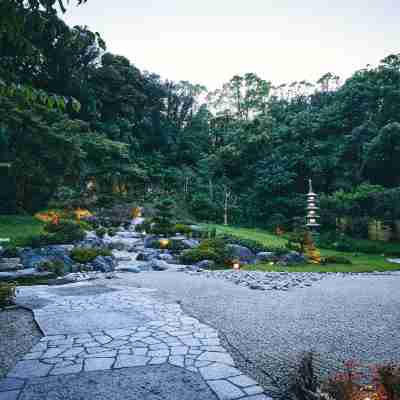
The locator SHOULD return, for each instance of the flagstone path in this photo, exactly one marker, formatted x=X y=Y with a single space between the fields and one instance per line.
x=107 y=341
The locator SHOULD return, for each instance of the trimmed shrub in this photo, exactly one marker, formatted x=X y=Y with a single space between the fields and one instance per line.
x=101 y=232
x=86 y=255
x=253 y=245
x=7 y=294
x=209 y=249
x=10 y=252
x=55 y=267
x=65 y=232
x=336 y=260
x=182 y=228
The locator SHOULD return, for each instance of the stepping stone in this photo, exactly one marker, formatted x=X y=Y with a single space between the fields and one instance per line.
x=96 y=364
x=29 y=368
x=8 y=384
x=243 y=381
x=225 y=390
x=125 y=361
x=218 y=371
x=223 y=358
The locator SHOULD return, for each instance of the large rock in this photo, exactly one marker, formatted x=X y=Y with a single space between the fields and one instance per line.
x=104 y=264
x=148 y=255
x=151 y=241
x=157 y=265
x=293 y=257
x=10 y=264
x=241 y=253
x=167 y=257
x=266 y=256
x=130 y=268
x=205 y=264
x=32 y=258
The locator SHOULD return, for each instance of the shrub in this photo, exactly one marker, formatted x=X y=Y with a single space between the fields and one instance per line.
x=7 y=294
x=112 y=231
x=145 y=226
x=209 y=249
x=56 y=267
x=65 y=232
x=175 y=246
x=163 y=219
x=86 y=255
x=182 y=228
x=336 y=260
x=253 y=245
x=101 y=232
x=10 y=252
x=85 y=225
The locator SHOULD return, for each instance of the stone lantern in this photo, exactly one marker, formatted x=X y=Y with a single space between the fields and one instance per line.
x=312 y=210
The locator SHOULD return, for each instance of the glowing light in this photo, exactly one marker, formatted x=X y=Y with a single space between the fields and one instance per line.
x=236 y=265
x=164 y=243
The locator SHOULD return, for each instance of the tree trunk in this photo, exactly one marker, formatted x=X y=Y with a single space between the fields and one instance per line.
x=226 y=202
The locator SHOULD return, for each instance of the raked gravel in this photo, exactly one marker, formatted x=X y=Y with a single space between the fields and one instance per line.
x=340 y=316
x=18 y=334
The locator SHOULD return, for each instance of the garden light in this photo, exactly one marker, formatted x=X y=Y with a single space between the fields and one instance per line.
x=164 y=243
x=236 y=265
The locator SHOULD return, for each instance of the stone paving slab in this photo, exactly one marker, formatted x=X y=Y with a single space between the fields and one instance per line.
x=92 y=330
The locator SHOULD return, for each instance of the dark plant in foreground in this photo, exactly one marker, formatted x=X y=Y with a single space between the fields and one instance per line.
x=353 y=383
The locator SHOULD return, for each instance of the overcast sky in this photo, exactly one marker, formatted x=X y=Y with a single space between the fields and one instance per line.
x=209 y=41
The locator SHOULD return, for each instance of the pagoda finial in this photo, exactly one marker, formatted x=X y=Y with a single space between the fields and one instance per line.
x=310 y=185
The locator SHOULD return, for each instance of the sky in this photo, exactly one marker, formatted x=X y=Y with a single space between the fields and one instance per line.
x=210 y=41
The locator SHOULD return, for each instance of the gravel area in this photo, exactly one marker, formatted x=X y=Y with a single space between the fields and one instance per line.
x=340 y=317
x=18 y=334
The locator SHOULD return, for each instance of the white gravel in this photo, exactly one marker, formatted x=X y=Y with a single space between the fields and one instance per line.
x=341 y=317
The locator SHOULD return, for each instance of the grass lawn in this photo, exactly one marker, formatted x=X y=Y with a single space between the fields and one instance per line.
x=361 y=262
x=13 y=226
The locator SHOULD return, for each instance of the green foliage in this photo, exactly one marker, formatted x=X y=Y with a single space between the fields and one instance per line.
x=86 y=255
x=7 y=294
x=101 y=232
x=65 y=232
x=336 y=260
x=254 y=245
x=145 y=226
x=13 y=226
x=209 y=249
x=183 y=229
x=56 y=267
x=10 y=252
x=162 y=221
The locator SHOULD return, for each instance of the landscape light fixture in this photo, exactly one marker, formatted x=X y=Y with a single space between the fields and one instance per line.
x=164 y=243
x=236 y=265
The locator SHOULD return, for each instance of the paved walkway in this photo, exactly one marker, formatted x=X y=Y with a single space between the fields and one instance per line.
x=106 y=341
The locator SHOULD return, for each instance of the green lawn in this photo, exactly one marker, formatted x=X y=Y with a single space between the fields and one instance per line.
x=361 y=262
x=13 y=226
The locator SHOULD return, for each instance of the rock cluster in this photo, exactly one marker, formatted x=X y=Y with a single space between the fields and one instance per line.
x=258 y=280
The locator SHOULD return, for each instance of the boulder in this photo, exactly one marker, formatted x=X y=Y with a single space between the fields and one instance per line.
x=243 y=254
x=147 y=255
x=31 y=258
x=293 y=257
x=130 y=268
x=205 y=264
x=190 y=243
x=104 y=263
x=167 y=257
x=158 y=265
x=151 y=241
x=10 y=264
x=266 y=256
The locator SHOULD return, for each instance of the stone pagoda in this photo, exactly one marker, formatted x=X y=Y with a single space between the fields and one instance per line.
x=312 y=209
